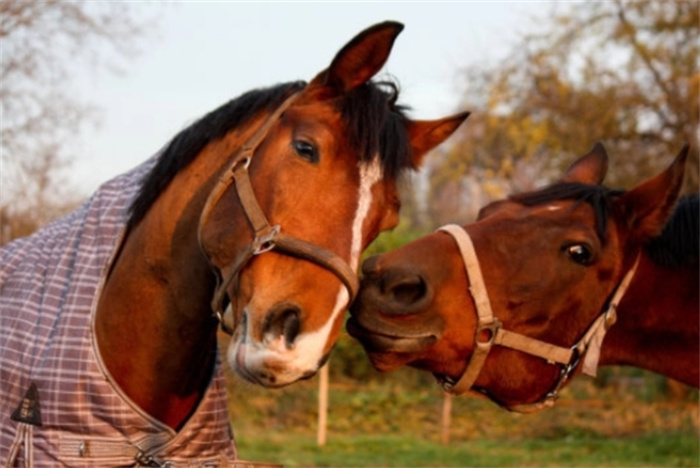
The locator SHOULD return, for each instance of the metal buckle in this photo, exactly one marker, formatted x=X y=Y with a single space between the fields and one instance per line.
x=266 y=242
x=144 y=459
x=492 y=329
x=242 y=163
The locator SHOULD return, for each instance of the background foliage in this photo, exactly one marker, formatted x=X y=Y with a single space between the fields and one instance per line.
x=42 y=44
x=624 y=73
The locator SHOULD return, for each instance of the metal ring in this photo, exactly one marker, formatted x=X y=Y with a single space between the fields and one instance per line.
x=241 y=163
x=492 y=328
x=266 y=242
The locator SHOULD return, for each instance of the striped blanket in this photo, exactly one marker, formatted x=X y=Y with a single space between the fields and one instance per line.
x=49 y=285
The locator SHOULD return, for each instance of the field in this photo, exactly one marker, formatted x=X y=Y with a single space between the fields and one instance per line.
x=619 y=419
x=661 y=450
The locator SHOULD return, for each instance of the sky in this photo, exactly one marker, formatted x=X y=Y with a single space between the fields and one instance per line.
x=198 y=56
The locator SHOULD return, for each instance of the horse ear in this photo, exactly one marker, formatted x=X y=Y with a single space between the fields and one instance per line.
x=649 y=205
x=427 y=134
x=588 y=169
x=361 y=58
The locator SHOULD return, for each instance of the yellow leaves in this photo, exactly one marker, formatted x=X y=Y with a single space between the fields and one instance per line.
x=625 y=73
x=493 y=190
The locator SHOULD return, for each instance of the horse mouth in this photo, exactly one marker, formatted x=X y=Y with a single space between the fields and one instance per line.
x=389 y=342
x=265 y=366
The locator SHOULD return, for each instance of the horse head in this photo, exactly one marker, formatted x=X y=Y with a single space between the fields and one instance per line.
x=313 y=184
x=511 y=305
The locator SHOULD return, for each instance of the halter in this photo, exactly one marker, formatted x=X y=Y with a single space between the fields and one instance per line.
x=568 y=358
x=266 y=236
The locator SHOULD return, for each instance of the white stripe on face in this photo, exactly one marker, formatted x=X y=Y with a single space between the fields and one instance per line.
x=309 y=347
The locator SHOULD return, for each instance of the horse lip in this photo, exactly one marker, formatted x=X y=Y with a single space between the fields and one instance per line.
x=241 y=368
x=399 y=342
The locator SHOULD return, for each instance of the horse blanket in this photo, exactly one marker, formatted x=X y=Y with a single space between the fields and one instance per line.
x=49 y=286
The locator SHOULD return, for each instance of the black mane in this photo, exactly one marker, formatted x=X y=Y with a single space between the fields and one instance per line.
x=374 y=123
x=679 y=242
x=599 y=197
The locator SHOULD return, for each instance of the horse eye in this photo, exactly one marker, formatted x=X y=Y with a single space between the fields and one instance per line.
x=306 y=150
x=580 y=253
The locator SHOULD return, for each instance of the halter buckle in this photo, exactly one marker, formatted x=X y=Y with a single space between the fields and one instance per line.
x=265 y=242
x=241 y=163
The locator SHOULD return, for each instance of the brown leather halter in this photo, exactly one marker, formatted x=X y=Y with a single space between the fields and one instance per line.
x=266 y=236
x=588 y=347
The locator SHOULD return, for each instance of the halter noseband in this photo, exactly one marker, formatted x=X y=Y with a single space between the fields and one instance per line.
x=266 y=236
x=568 y=358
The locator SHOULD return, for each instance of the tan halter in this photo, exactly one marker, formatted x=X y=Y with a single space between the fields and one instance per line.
x=266 y=236
x=568 y=358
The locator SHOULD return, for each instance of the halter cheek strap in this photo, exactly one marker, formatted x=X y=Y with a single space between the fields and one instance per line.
x=490 y=331
x=266 y=237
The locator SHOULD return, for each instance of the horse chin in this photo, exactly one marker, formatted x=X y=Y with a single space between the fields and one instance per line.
x=388 y=362
x=390 y=340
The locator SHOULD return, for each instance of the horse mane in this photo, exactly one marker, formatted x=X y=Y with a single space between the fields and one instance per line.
x=598 y=197
x=374 y=123
x=679 y=242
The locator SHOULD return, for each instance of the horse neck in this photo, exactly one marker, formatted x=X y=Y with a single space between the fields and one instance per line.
x=657 y=324
x=154 y=323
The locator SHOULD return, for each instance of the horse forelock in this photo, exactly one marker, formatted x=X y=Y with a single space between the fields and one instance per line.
x=376 y=125
x=679 y=242
x=598 y=197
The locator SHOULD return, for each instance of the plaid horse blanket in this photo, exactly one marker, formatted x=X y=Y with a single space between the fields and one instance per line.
x=59 y=407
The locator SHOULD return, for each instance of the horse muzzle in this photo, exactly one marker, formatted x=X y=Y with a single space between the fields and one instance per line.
x=282 y=356
x=392 y=313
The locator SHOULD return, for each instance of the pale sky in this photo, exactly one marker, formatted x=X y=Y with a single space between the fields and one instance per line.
x=201 y=55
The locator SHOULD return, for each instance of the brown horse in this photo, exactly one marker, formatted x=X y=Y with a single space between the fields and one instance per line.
x=555 y=268
x=322 y=159
x=257 y=212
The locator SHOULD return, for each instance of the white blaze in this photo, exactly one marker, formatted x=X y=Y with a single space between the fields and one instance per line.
x=310 y=345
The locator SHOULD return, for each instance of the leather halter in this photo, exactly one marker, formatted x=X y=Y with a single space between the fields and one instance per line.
x=266 y=236
x=588 y=347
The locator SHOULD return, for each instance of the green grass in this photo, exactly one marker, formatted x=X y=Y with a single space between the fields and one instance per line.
x=662 y=450
x=394 y=420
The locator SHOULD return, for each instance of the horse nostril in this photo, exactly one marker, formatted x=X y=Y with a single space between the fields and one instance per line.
x=406 y=289
x=283 y=320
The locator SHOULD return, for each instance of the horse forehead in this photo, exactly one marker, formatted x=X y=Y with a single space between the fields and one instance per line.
x=553 y=210
x=555 y=218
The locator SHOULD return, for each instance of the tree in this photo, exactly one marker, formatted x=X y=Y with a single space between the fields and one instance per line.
x=43 y=44
x=624 y=73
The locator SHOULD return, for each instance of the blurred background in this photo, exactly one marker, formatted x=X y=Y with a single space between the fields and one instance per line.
x=90 y=89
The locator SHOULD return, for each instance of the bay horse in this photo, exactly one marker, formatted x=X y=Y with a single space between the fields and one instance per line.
x=255 y=217
x=516 y=303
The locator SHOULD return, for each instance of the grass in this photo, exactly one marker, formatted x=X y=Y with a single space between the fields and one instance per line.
x=396 y=421
x=623 y=418
x=662 y=450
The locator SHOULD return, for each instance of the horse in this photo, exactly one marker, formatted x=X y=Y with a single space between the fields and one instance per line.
x=252 y=218
x=515 y=304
